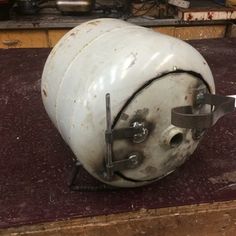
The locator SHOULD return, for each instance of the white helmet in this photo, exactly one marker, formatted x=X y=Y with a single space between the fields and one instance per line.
x=130 y=102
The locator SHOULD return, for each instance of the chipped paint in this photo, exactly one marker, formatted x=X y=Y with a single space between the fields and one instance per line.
x=208 y=15
x=44 y=93
x=189 y=17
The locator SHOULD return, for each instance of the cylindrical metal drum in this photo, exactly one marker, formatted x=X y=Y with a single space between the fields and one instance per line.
x=147 y=74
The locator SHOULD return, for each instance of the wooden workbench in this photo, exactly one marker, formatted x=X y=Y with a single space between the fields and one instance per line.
x=204 y=19
x=44 y=30
x=35 y=164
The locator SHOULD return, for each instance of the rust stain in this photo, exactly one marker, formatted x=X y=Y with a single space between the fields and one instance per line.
x=209 y=15
x=187 y=141
x=189 y=17
x=230 y=11
x=150 y=170
x=142 y=112
x=124 y=116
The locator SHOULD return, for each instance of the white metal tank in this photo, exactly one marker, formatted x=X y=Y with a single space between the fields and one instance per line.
x=110 y=87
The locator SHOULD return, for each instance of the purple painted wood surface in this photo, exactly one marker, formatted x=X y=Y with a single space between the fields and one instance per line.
x=35 y=163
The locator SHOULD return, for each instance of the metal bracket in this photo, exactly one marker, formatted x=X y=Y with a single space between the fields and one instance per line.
x=135 y=132
x=85 y=187
x=184 y=116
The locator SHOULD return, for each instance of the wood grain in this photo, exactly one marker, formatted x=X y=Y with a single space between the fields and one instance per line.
x=193 y=220
x=200 y=32
x=23 y=39
x=165 y=30
x=55 y=35
x=194 y=32
x=49 y=38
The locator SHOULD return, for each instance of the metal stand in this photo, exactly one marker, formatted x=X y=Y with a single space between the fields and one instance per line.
x=136 y=132
x=85 y=188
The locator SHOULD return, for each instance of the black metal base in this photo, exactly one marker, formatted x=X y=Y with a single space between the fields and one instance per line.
x=85 y=188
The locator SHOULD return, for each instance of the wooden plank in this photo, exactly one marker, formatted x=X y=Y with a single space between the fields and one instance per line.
x=205 y=219
x=207 y=14
x=23 y=39
x=55 y=35
x=165 y=30
x=42 y=38
x=200 y=32
x=185 y=33
x=231 y=31
x=194 y=32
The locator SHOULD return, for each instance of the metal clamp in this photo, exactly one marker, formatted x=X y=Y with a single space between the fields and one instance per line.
x=135 y=132
x=185 y=118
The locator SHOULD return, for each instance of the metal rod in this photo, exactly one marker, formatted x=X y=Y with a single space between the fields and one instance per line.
x=108 y=131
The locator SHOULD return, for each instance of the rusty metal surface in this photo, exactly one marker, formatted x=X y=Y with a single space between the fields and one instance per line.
x=206 y=10
x=35 y=163
x=195 y=14
x=207 y=15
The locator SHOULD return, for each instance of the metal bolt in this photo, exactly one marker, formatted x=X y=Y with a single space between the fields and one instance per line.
x=140 y=137
x=200 y=98
x=135 y=160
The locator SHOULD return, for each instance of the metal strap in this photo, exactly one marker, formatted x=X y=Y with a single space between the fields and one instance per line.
x=185 y=118
x=123 y=133
x=129 y=162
